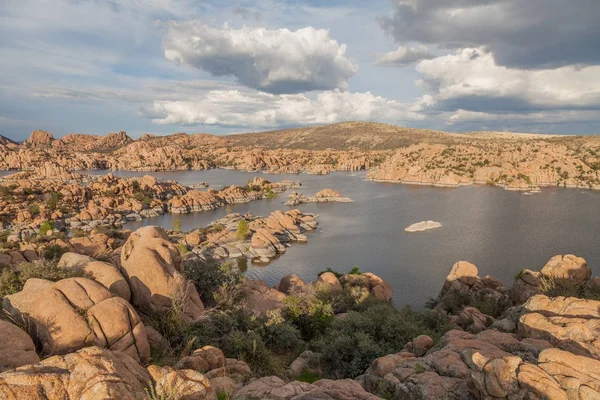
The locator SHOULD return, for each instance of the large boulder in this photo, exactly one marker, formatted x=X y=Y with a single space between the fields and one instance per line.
x=102 y=272
x=260 y=298
x=274 y=388
x=463 y=286
x=78 y=312
x=16 y=347
x=154 y=270
x=290 y=284
x=90 y=373
x=371 y=283
x=567 y=270
x=185 y=384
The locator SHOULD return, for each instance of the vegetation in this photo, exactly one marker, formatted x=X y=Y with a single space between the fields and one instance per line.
x=373 y=329
x=46 y=227
x=177 y=224
x=52 y=200
x=13 y=280
x=554 y=288
x=242 y=230
x=268 y=343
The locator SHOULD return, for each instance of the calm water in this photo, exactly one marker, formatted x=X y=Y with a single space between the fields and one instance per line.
x=501 y=232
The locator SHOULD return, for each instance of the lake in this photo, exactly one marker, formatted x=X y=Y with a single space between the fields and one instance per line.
x=499 y=231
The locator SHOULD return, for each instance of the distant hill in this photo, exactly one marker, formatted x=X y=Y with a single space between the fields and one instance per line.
x=340 y=136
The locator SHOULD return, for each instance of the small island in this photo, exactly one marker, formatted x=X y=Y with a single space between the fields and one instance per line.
x=423 y=226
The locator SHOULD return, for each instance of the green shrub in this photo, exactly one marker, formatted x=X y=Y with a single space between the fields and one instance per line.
x=52 y=200
x=375 y=329
x=183 y=249
x=308 y=313
x=242 y=230
x=54 y=252
x=34 y=209
x=216 y=282
x=354 y=271
x=308 y=376
x=13 y=280
x=45 y=227
x=177 y=224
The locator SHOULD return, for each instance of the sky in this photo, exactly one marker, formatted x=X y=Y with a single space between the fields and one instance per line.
x=221 y=66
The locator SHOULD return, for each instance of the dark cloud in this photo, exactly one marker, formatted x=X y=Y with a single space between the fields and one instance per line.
x=520 y=33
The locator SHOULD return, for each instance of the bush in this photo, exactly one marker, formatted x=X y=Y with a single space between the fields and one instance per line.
x=13 y=280
x=183 y=249
x=45 y=227
x=34 y=209
x=242 y=230
x=177 y=224
x=354 y=271
x=216 y=282
x=54 y=252
x=375 y=329
x=52 y=200
x=308 y=313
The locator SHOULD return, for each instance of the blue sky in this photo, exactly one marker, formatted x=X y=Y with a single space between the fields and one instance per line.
x=164 y=66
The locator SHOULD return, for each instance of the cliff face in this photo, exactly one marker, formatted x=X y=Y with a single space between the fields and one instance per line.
x=390 y=153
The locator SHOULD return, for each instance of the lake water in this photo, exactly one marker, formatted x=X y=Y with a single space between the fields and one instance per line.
x=501 y=232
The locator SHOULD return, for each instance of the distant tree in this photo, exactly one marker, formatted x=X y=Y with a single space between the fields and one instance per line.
x=45 y=227
x=242 y=230
x=177 y=224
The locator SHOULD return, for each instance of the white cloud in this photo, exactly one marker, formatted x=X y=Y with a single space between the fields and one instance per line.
x=474 y=73
x=259 y=109
x=403 y=56
x=271 y=60
x=540 y=117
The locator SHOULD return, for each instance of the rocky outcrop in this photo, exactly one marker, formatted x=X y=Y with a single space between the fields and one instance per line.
x=370 y=283
x=324 y=196
x=464 y=286
x=40 y=139
x=153 y=267
x=90 y=373
x=75 y=313
x=568 y=323
x=262 y=240
x=561 y=271
x=102 y=272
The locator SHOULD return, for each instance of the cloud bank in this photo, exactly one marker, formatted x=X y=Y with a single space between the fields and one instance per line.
x=239 y=108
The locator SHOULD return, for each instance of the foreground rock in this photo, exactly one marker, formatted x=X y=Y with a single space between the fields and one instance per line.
x=274 y=388
x=75 y=313
x=16 y=347
x=153 y=267
x=423 y=226
x=90 y=373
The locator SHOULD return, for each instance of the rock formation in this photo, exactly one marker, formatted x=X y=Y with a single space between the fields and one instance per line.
x=152 y=265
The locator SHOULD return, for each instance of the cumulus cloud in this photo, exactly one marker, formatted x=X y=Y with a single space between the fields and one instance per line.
x=474 y=73
x=520 y=33
x=271 y=60
x=263 y=110
x=403 y=56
